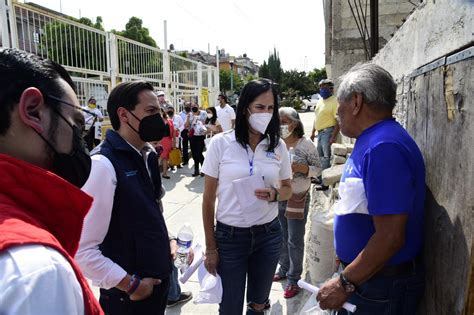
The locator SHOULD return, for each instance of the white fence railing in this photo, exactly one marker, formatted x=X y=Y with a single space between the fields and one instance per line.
x=99 y=60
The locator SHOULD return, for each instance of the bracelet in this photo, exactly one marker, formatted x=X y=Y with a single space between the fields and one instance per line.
x=133 y=284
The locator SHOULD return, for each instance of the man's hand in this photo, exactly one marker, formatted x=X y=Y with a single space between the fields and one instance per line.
x=174 y=249
x=211 y=261
x=145 y=289
x=332 y=295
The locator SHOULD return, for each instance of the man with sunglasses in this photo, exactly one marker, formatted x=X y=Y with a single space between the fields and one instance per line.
x=43 y=162
x=125 y=248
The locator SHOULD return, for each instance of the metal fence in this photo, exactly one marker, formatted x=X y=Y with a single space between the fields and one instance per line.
x=99 y=60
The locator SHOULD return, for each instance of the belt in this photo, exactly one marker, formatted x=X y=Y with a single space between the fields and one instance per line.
x=253 y=228
x=320 y=130
x=403 y=268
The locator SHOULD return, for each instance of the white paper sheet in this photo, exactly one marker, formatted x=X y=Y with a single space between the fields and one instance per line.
x=252 y=208
x=197 y=261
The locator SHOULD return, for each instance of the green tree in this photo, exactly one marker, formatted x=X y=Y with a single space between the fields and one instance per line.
x=317 y=75
x=274 y=67
x=134 y=30
x=224 y=81
x=263 y=71
x=69 y=45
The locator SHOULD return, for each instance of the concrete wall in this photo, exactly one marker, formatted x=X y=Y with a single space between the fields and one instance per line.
x=344 y=46
x=436 y=29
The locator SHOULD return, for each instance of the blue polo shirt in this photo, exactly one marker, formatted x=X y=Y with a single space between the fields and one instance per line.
x=390 y=166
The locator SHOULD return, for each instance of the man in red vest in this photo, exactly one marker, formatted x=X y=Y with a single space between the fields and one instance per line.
x=43 y=161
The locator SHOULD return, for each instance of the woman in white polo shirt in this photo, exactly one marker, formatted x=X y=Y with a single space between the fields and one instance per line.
x=245 y=243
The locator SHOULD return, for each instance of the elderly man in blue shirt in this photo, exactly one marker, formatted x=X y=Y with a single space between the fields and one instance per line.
x=378 y=224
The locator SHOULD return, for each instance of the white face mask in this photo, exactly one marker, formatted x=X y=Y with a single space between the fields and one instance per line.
x=260 y=121
x=285 y=132
x=210 y=116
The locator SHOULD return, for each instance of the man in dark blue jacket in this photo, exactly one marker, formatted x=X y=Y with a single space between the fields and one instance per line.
x=125 y=247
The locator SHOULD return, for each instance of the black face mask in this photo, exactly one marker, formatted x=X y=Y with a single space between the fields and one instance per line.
x=187 y=109
x=75 y=166
x=151 y=127
x=170 y=114
x=194 y=109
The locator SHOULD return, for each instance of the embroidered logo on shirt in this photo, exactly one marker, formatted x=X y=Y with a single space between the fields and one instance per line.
x=131 y=173
x=273 y=155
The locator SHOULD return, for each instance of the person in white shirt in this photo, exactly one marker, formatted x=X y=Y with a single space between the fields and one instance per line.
x=43 y=162
x=178 y=125
x=244 y=246
x=195 y=123
x=93 y=123
x=225 y=113
x=125 y=248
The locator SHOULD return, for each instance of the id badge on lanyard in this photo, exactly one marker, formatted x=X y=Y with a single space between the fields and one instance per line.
x=251 y=169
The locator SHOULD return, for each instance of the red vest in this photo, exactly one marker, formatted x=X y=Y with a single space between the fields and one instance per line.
x=38 y=207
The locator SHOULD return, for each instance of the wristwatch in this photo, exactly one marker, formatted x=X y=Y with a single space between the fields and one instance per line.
x=277 y=195
x=348 y=286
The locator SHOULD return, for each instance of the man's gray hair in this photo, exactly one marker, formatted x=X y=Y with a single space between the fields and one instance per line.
x=376 y=85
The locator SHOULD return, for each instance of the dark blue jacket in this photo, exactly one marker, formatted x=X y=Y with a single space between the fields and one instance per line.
x=137 y=239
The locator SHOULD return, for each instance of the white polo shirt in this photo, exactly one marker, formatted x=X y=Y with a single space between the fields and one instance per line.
x=227 y=161
x=225 y=116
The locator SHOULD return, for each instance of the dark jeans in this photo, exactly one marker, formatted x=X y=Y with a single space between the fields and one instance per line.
x=117 y=302
x=247 y=254
x=292 y=250
x=175 y=290
x=197 y=147
x=185 y=147
x=389 y=295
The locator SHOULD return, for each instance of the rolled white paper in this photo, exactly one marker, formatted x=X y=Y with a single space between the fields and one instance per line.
x=311 y=288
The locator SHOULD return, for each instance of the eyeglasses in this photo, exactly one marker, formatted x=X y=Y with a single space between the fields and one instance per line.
x=71 y=105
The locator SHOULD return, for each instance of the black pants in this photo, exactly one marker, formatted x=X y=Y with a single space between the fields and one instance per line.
x=90 y=139
x=185 y=143
x=197 y=147
x=117 y=302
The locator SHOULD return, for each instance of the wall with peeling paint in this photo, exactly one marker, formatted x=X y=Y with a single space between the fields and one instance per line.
x=437 y=109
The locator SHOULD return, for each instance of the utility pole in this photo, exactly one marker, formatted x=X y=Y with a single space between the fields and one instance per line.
x=374 y=27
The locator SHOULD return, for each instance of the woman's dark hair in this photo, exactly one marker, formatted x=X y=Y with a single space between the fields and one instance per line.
x=125 y=95
x=212 y=120
x=249 y=93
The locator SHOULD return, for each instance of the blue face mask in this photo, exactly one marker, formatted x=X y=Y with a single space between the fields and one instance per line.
x=325 y=93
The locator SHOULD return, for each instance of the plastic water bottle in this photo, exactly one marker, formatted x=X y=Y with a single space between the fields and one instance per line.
x=185 y=240
x=291 y=153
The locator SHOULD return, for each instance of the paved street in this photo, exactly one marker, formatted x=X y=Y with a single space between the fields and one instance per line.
x=182 y=203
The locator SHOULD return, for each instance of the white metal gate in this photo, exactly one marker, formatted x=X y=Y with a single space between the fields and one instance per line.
x=99 y=60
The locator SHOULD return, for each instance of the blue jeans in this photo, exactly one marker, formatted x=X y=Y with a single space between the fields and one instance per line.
x=389 y=295
x=292 y=250
x=175 y=290
x=324 y=148
x=247 y=254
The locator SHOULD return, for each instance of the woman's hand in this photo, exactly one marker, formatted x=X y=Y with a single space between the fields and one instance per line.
x=300 y=168
x=211 y=261
x=267 y=194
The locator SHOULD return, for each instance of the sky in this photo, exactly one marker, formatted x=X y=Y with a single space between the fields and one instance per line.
x=255 y=27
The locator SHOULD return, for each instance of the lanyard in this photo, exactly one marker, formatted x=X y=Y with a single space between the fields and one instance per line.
x=250 y=161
